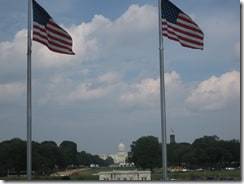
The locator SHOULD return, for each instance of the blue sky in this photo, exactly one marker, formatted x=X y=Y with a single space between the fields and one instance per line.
x=109 y=91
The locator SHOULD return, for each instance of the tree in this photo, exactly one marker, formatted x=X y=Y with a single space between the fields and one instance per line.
x=146 y=153
x=109 y=161
x=87 y=159
x=12 y=156
x=69 y=152
x=176 y=152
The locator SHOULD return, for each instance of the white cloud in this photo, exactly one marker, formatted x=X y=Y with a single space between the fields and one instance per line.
x=143 y=92
x=91 y=40
x=86 y=92
x=173 y=81
x=11 y=91
x=147 y=91
x=115 y=69
x=63 y=90
x=216 y=92
x=110 y=78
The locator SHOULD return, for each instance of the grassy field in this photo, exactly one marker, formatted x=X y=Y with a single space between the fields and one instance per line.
x=89 y=175
x=220 y=175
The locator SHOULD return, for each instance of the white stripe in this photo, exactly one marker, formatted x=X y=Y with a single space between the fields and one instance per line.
x=46 y=34
x=52 y=46
x=191 y=44
x=187 y=24
x=52 y=40
x=61 y=30
x=53 y=34
x=50 y=26
x=183 y=35
x=183 y=41
x=170 y=34
x=183 y=29
x=186 y=17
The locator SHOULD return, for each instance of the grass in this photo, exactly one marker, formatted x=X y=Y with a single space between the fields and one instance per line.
x=89 y=175
x=220 y=175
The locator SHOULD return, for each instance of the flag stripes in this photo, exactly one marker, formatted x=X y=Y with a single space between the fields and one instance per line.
x=47 y=32
x=178 y=26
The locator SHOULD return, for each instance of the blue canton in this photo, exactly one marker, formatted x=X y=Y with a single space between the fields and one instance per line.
x=169 y=11
x=40 y=15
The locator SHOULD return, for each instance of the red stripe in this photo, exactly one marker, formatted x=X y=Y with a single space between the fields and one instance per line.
x=54 y=38
x=183 y=32
x=171 y=32
x=187 y=19
x=51 y=42
x=185 y=39
x=172 y=38
x=185 y=45
x=55 y=50
x=189 y=27
x=57 y=26
x=190 y=41
x=37 y=27
x=59 y=40
x=66 y=35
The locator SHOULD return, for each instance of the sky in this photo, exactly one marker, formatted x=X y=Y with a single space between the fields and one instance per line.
x=109 y=91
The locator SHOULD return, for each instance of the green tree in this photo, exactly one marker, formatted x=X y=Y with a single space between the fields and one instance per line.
x=109 y=161
x=146 y=153
x=12 y=156
x=69 y=152
x=176 y=152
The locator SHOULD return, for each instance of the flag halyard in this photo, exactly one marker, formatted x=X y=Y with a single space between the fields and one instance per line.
x=47 y=32
x=178 y=26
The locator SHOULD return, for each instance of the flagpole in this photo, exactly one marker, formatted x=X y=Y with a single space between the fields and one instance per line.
x=162 y=96
x=29 y=112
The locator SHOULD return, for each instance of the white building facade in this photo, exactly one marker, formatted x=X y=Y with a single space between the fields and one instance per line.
x=120 y=157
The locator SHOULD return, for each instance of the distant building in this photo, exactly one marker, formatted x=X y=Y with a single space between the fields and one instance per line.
x=172 y=139
x=94 y=165
x=119 y=158
x=103 y=156
x=130 y=175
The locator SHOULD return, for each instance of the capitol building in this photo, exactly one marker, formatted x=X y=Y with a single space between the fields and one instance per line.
x=120 y=157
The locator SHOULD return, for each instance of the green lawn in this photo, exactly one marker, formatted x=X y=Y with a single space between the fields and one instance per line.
x=88 y=175
x=220 y=175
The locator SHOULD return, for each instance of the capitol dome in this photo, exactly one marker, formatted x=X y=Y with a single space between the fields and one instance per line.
x=121 y=147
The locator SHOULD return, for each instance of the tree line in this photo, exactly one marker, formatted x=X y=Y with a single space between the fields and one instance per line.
x=208 y=152
x=47 y=157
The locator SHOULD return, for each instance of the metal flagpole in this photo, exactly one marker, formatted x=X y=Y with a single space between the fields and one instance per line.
x=162 y=95
x=29 y=116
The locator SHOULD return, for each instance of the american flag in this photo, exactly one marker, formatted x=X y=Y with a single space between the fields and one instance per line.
x=47 y=32
x=178 y=26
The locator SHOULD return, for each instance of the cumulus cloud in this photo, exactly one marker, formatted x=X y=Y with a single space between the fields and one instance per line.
x=86 y=92
x=216 y=92
x=116 y=68
x=143 y=92
x=147 y=91
x=93 y=40
x=99 y=39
